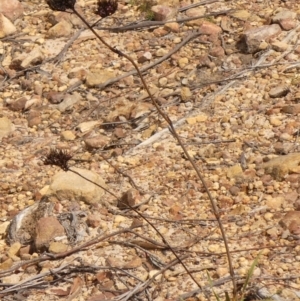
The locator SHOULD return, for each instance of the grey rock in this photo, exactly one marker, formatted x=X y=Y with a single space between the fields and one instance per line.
x=253 y=38
x=278 y=91
x=69 y=101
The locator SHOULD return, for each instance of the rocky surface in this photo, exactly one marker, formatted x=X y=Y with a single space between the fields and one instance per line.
x=225 y=72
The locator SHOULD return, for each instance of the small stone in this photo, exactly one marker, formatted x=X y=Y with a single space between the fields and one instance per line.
x=182 y=62
x=217 y=51
x=34 y=57
x=61 y=29
x=93 y=220
x=163 y=12
x=234 y=190
x=47 y=228
x=275 y=203
x=268 y=216
x=87 y=125
x=6 y=264
x=34 y=118
x=196 y=11
x=172 y=27
x=6 y=27
x=152 y=274
x=161 y=52
x=286 y=19
x=222 y=271
x=286 y=137
x=196 y=119
x=55 y=97
x=289 y=218
x=67 y=135
x=209 y=28
x=241 y=14
x=3 y=227
x=162 y=81
x=18 y=104
x=288 y=24
x=278 y=91
x=131 y=197
x=275 y=121
x=69 y=101
x=185 y=94
x=99 y=77
x=56 y=247
x=14 y=249
x=279 y=46
x=6 y=127
x=160 y=32
x=78 y=72
x=95 y=142
x=146 y=56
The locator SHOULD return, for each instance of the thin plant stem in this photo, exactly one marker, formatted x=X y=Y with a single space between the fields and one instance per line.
x=174 y=133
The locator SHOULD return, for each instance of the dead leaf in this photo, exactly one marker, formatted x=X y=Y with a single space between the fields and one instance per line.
x=60 y=292
x=134 y=263
x=75 y=288
x=102 y=297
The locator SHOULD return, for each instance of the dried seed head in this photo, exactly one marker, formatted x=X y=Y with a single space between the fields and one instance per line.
x=61 y=5
x=58 y=157
x=106 y=8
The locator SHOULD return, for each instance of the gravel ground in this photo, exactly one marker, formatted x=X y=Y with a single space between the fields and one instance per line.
x=234 y=102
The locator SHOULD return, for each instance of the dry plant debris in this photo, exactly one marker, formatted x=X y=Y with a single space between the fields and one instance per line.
x=226 y=73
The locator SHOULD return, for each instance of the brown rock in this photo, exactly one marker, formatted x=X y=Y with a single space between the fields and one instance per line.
x=286 y=19
x=130 y=197
x=47 y=229
x=34 y=118
x=234 y=190
x=146 y=56
x=163 y=12
x=98 y=141
x=11 y=9
x=172 y=27
x=291 y=109
x=61 y=29
x=217 y=51
x=93 y=220
x=291 y=221
x=19 y=104
x=55 y=97
x=209 y=28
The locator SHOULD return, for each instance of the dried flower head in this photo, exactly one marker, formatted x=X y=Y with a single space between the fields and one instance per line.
x=58 y=157
x=61 y=5
x=106 y=8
